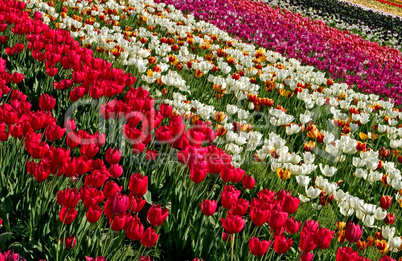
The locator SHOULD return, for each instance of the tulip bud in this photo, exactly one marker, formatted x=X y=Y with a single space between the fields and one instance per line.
x=208 y=207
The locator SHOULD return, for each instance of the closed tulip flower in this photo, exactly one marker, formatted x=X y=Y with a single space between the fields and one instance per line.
x=281 y=244
x=116 y=205
x=93 y=214
x=385 y=202
x=292 y=226
x=70 y=242
x=277 y=219
x=259 y=216
x=134 y=228
x=138 y=184
x=290 y=204
x=248 y=182
x=258 y=248
x=323 y=238
x=156 y=216
x=67 y=216
x=149 y=237
x=118 y=222
x=208 y=207
x=353 y=232
x=112 y=156
x=228 y=196
x=111 y=188
x=232 y=224
x=46 y=102
x=306 y=256
x=307 y=242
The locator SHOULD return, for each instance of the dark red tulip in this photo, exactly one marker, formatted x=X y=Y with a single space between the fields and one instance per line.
x=385 y=202
x=389 y=219
x=138 y=184
x=116 y=205
x=149 y=237
x=156 y=216
x=353 y=232
x=151 y=155
x=208 y=207
x=258 y=248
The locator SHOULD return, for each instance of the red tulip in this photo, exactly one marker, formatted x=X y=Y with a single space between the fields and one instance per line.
x=258 y=248
x=259 y=216
x=46 y=102
x=232 y=224
x=292 y=226
x=149 y=237
x=385 y=202
x=91 y=196
x=277 y=219
x=248 y=182
x=353 y=232
x=208 y=207
x=166 y=110
x=239 y=207
x=156 y=216
x=290 y=204
x=228 y=196
x=151 y=155
x=68 y=198
x=112 y=156
x=389 y=219
x=134 y=228
x=138 y=184
x=118 y=222
x=323 y=238
x=136 y=204
x=307 y=256
x=281 y=245
x=346 y=254
x=198 y=173
x=96 y=179
x=67 y=216
x=111 y=188
x=116 y=171
x=116 y=205
x=70 y=242
x=93 y=214
x=307 y=242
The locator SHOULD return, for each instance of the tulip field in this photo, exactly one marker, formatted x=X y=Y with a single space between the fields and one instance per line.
x=200 y=130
